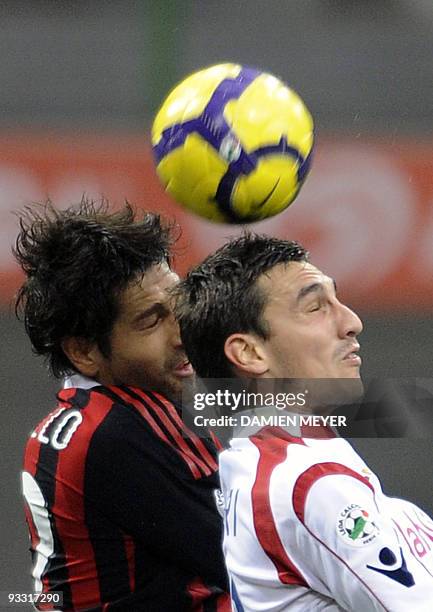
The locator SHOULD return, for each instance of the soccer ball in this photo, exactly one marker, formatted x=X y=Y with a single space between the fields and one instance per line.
x=233 y=144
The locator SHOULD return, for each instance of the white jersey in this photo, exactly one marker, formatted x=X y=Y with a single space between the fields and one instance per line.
x=308 y=527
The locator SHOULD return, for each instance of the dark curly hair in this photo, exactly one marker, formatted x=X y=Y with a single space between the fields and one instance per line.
x=77 y=262
x=220 y=296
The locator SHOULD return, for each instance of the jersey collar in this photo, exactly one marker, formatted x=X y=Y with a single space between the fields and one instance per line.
x=78 y=381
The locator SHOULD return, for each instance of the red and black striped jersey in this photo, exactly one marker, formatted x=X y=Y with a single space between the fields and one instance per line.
x=120 y=505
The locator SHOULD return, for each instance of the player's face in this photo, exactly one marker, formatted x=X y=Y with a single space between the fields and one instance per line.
x=312 y=334
x=146 y=350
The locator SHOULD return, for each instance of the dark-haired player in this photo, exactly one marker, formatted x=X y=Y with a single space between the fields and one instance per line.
x=119 y=495
x=307 y=525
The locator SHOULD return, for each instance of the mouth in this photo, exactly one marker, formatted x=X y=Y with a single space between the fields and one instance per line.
x=351 y=357
x=183 y=369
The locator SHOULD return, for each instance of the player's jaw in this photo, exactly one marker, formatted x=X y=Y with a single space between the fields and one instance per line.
x=177 y=370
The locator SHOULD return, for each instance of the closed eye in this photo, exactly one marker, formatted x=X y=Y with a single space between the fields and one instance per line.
x=151 y=317
x=314 y=307
x=151 y=321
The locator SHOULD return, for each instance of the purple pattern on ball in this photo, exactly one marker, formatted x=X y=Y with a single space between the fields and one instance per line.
x=211 y=124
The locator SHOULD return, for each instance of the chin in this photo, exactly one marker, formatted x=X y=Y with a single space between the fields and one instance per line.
x=173 y=391
x=336 y=391
x=351 y=389
x=348 y=372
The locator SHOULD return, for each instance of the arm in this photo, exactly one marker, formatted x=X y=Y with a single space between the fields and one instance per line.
x=356 y=552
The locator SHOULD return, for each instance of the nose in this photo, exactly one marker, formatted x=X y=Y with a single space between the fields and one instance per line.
x=350 y=325
x=175 y=332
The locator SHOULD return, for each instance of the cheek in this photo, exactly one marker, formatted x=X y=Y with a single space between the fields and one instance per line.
x=150 y=350
x=303 y=347
x=285 y=347
x=131 y=347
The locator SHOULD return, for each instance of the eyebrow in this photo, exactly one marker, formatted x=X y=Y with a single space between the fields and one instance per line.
x=157 y=308
x=313 y=288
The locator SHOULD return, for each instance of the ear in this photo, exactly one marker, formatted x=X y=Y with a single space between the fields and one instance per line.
x=245 y=352
x=84 y=355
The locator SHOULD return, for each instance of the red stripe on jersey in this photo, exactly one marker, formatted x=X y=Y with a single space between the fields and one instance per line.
x=147 y=416
x=202 y=595
x=198 y=443
x=306 y=480
x=176 y=433
x=130 y=558
x=318 y=432
x=198 y=592
x=141 y=409
x=269 y=432
x=31 y=455
x=216 y=441
x=300 y=492
x=71 y=528
x=65 y=395
x=273 y=451
x=224 y=603
x=48 y=607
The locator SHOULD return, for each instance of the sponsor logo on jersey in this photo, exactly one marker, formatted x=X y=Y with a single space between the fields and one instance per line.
x=400 y=574
x=355 y=525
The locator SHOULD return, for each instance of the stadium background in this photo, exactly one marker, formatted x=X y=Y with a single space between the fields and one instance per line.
x=80 y=83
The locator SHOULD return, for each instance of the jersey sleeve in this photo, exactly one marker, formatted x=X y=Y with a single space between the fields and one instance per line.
x=353 y=548
x=141 y=484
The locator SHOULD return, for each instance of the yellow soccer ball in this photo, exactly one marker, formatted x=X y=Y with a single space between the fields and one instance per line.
x=233 y=144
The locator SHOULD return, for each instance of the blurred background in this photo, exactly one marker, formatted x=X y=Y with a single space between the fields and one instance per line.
x=81 y=82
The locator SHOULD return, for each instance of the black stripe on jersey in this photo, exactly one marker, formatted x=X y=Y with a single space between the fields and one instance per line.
x=79 y=400
x=207 y=442
x=186 y=440
x=142 y=563
x=158 y=587
x=155 y=415
x=134 y=397
x=112 y=395
x=158 y=580
x=210 y=605
x=45 y=477
x=108 y=559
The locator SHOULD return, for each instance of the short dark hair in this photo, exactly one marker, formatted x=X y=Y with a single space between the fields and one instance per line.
x=220 y=296
x=77 y=261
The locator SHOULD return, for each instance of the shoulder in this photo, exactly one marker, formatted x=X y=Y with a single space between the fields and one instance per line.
x=149 y=427
x=331 y=488
x=317 y=482
x=74 y=422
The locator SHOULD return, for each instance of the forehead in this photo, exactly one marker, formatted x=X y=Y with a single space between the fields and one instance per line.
x=148 y=289
x=288 y=279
